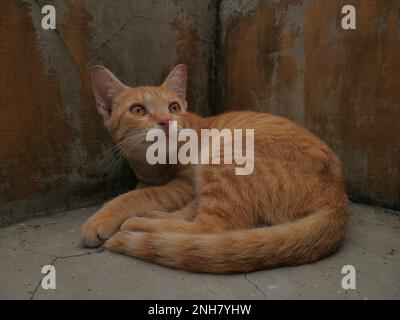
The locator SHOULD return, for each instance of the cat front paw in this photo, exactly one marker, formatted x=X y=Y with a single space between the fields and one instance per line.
x=98 y=228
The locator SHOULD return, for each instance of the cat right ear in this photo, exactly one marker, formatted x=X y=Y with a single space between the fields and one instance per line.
x=107 y=89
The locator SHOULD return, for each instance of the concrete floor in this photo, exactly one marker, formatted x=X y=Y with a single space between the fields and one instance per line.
x=372 y=246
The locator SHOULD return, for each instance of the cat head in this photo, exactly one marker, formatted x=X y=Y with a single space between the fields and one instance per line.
x=129 y=113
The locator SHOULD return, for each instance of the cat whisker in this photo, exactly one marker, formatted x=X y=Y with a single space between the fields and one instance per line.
x=116 y=152
x=123 y=150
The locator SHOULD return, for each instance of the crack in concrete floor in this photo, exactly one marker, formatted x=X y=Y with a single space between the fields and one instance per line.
x=255 y=286
x=52 y=263
x=98 y=274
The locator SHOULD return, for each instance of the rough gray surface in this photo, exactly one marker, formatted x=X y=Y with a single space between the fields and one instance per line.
x=372 y=246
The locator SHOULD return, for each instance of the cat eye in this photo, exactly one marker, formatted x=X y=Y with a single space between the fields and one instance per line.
x=174 y=108
x=137 y=110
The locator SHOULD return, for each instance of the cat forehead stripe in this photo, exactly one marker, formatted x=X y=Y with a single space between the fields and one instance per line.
x=163 y=95
x=147 y=96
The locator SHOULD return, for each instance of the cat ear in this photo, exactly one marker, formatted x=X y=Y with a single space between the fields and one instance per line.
x=106 y=89
x=176 y=80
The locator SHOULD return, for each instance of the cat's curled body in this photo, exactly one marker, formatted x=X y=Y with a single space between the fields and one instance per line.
x=205 y=218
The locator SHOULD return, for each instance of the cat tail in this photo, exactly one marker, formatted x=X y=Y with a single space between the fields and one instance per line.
x=303 y=241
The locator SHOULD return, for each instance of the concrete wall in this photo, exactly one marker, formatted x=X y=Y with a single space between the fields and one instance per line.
x=51 y=137
x=286 y=57
x=292 y=58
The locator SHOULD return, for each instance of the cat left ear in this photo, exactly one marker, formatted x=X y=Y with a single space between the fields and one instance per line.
x=176 y=80
x=106 y=89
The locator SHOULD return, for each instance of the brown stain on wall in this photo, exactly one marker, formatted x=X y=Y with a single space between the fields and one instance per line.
x=76 y=32
x=247 y=62
x=352 y=97
x=253 y=70
x=187 y=53
x=349 y=82
x=34 y=135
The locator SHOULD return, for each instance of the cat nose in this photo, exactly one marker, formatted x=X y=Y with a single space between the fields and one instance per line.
x=164 y=125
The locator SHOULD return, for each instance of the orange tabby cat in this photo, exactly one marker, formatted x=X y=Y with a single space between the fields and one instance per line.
x=291 y=210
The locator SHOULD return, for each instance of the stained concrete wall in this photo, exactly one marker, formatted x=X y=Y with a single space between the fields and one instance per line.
x=286 y=57
x=52 y=140
x=292 y=58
